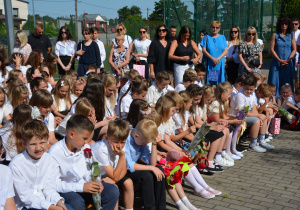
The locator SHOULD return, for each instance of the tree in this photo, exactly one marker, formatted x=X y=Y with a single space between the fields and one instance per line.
x=126 y=13
x=158 y=12
x=289 y=8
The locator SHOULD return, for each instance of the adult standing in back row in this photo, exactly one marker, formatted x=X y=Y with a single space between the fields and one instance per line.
x=39 y=41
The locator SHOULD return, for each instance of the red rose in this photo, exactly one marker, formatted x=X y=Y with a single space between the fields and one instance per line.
x=185 y=174
x=176 y=177
x=87 y=153
x=210 y=119
x=202 y=163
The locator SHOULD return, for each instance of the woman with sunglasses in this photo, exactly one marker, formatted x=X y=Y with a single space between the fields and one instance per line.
x=181 y=52
x=214 y=47
x=283 y=50
x=249 y=52
x=140 y=50
x=158 y=51
x=65 y=50
x=121 y=30
x=232 y=61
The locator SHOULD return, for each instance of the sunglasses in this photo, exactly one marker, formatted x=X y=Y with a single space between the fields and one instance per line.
x=120 y=29
x=63 y=32
x=295 y=24
x=215 y=27
x=142 y=32
x=284 y=24
x=162 y=30
x=234 y=32
x=251 y=34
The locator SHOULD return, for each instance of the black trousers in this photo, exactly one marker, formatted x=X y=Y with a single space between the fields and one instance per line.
x=153 y=191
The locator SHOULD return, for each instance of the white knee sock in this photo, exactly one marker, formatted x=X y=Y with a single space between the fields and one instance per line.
x=233 y=144
x=188 y=204
x=198 y=177
x=192 y=181
x=218 y=156
x=228 y=146
x=181 y=205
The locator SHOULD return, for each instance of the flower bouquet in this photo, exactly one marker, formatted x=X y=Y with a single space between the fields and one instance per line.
x=242 y=114
x=199 y=137
x=95 y=173
x=285 y=113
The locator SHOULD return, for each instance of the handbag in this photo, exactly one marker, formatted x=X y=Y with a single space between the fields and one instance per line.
x=213 y=75
x=274 y=127
x=140 y=68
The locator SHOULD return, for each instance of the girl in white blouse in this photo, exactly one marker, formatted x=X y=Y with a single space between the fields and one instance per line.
x=110 y=88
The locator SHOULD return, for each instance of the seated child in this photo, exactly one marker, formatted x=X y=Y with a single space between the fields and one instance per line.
x=45 y=75
x=75 y=184
x=61 y=99
x=238 y=85
x=132 y=74
x=159 y=88
x=150 y=176
x=287 y=100
x=273 y=92
x=38 y=83
x=200 y=70
x=77 y=89
x=188 y=78
x=257 y=122
x=7 y=200
x=110 y=89
x=110 y=154
x=4 y=111
x=34 y=170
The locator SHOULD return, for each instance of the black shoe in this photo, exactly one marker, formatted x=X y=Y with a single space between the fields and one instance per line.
x=217 y=168
x=206 y=172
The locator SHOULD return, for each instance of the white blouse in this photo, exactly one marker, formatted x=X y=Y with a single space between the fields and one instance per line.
x=6 y=185
x=168 y=128
x=67 y=49
x=62 y=104
x=9 y=143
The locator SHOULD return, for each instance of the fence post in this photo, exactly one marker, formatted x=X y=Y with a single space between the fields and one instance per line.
x=71 y=23
x=177 y=13
x=233 y=12
x=28 y=23
x=216 y=9
x=9 y=25
x=44 y=24
x=106 y=34
x=239 y=16
x=261 y=19
x=195 y=20
x=272 y=18
x=168 y=14
x=248 y=15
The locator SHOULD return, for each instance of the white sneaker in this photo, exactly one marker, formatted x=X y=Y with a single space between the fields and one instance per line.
x=266 y=145
x=227 y=157
x=235 y=157
x=238 y=154
x=267 y=140
x=224 y=162
x=256 y=148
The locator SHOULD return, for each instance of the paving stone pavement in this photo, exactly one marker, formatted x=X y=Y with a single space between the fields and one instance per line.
x=258 y=181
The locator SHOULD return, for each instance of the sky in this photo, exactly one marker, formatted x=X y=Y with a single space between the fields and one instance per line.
x=107 y=8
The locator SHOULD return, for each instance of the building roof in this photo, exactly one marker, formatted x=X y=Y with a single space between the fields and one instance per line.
x=23 y=1
x=92 y=17
x=2 y=17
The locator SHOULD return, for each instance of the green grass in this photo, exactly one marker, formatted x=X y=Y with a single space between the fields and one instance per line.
x=106 y=64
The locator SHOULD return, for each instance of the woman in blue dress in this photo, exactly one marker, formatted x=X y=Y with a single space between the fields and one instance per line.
x=283 y=49
x=214 y=47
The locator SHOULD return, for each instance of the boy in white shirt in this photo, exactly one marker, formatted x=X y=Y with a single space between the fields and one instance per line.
x=188 y=78
x=34 y=171
x=110 y=154
x=200 y=70
x=158 y=89
x=7 y=193
x=257 y=122
x=132 y=74
x=238 y=85
x=74 y=184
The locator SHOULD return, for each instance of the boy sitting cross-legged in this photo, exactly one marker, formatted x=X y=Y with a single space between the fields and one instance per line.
x=33 y=169
x=141 y=164
x=74 y=184
x=110 y=154
x=255 y=121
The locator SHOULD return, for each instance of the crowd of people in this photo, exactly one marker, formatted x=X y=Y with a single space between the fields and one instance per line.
x=137 y=121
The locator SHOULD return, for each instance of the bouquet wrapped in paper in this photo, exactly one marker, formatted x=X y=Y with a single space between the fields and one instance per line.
x=198 y=137
x=285 y=113
x=242 y=114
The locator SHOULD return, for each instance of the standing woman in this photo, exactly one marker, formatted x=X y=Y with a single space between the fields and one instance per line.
x=283 y=49
x=140 y=50
x=121 y=30
x=249 y=51
x=65 y=50
x=22 y=45
x=89 y=53
x=181 y=52
x=214 y=47
x=202 y=33
x=232 y=61
x=158 y=51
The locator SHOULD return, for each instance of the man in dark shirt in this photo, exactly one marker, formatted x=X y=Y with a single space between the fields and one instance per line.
x=173 y=31
x=40 y=41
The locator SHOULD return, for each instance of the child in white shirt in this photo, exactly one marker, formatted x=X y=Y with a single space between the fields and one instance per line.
x=188 y=78
x=159 y=89
x=287 y=100
x=74 y=184
x=238 y=85
x=110 y=154
x=200 y=70
x=132 y=74
x=110 y=89
x=4 y=111
x=34 y=171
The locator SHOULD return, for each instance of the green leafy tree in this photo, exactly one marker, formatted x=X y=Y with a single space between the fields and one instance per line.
x=132 y=13
x=289 y=8
x=158 y=12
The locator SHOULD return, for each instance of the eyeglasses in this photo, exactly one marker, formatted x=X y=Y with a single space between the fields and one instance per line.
x=120 y=29
x=64 y=32
x=234 y=32
x=142 y=32
x=162 y=30
x=215 y=27
x=251 y=34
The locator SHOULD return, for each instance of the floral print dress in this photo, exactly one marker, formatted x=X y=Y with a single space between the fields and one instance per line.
x=250 y=52
x=118 y=58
